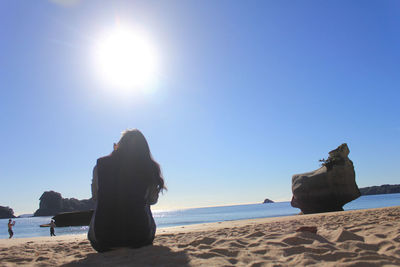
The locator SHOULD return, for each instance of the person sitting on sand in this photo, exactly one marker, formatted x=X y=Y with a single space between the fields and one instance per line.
x=10 y=226
x=124 y=185
x=52 y=225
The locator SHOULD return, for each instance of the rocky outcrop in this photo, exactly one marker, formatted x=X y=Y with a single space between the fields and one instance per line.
x=267 y=200
x=6 y=213
x=52 y=203
x=383 y=189
x=327 y=188
x=79 y=218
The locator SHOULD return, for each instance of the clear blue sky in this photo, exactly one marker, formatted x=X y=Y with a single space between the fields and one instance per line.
x=248 y=93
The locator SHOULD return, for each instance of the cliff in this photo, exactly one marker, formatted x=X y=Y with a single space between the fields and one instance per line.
x=383 y=189
x=6 y=213
x=52 y=203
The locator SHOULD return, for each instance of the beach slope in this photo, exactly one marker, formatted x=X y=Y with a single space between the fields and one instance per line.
x=350 y=238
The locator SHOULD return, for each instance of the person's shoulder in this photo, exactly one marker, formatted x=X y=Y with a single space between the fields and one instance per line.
x=104 y=159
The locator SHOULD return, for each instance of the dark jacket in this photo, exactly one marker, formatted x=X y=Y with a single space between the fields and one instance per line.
x=122 y=215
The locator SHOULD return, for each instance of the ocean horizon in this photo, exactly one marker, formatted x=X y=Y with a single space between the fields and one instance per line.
x=29 y=227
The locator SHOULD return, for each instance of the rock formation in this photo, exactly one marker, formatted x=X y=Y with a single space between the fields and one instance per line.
x=79 y=218
x=52 y=203
x=327 y=188
x=267 y=200
x=6 y=213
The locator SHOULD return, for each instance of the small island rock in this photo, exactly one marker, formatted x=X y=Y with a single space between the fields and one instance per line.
x=267 y=200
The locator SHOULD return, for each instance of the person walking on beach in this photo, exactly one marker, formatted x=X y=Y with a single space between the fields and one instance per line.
x=10 y=226
x=52 y=225
x=124 y=185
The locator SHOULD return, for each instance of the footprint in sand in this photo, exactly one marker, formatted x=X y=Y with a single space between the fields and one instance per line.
x=17 y=260
x=343 y=235
x=336 y=255
x=296 y=240
x=380 y=236
x=232 y=260
x=244 y=243
x=255 y=244
x=355 y=230
x=202 y=246
x=236 y=244
x=41 y=258
x=225 y=252
x=255 y=234
x=278 y=244
x=259 y=251
x=258 y=264
x=302 y=249
x=204 y=240
x=386 y=248
x=207 y=255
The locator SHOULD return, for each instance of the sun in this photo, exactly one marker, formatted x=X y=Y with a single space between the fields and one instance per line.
x=126 y=59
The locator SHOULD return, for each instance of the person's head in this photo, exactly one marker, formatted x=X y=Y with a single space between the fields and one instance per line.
x=134 y=143
x=9 y=220
x=133 y=147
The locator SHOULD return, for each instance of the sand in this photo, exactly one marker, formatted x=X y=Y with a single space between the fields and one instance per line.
x=351 y=238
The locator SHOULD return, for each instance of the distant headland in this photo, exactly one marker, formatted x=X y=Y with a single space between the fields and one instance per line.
x=6 y=212
x=382 y=189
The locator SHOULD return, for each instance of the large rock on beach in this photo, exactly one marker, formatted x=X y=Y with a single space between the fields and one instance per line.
x=52 y=203
x=327 y=188
x=6 y=212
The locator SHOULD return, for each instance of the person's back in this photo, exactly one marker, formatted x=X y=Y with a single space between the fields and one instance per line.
x=122 y=216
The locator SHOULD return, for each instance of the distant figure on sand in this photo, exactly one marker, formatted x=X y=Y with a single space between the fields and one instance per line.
x=52 y=225
x=10 y=226
x=124 y=185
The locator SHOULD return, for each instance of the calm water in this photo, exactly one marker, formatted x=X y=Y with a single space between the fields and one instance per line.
x=29 y=227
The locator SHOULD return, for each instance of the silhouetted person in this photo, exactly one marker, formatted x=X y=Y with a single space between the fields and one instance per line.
x=10 y=226
x=52 y=225
x=124 y=185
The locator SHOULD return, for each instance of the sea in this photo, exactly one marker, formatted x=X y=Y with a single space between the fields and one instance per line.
x=29 y=227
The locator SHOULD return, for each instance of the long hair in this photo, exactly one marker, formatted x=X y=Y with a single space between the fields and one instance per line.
x=133 y=150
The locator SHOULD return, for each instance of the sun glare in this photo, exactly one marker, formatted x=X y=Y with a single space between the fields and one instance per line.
x=126 y=59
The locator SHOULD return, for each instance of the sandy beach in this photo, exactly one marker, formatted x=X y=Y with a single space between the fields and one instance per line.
x=351 y=238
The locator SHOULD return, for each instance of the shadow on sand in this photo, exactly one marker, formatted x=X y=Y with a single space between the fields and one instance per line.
x=146 y=256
